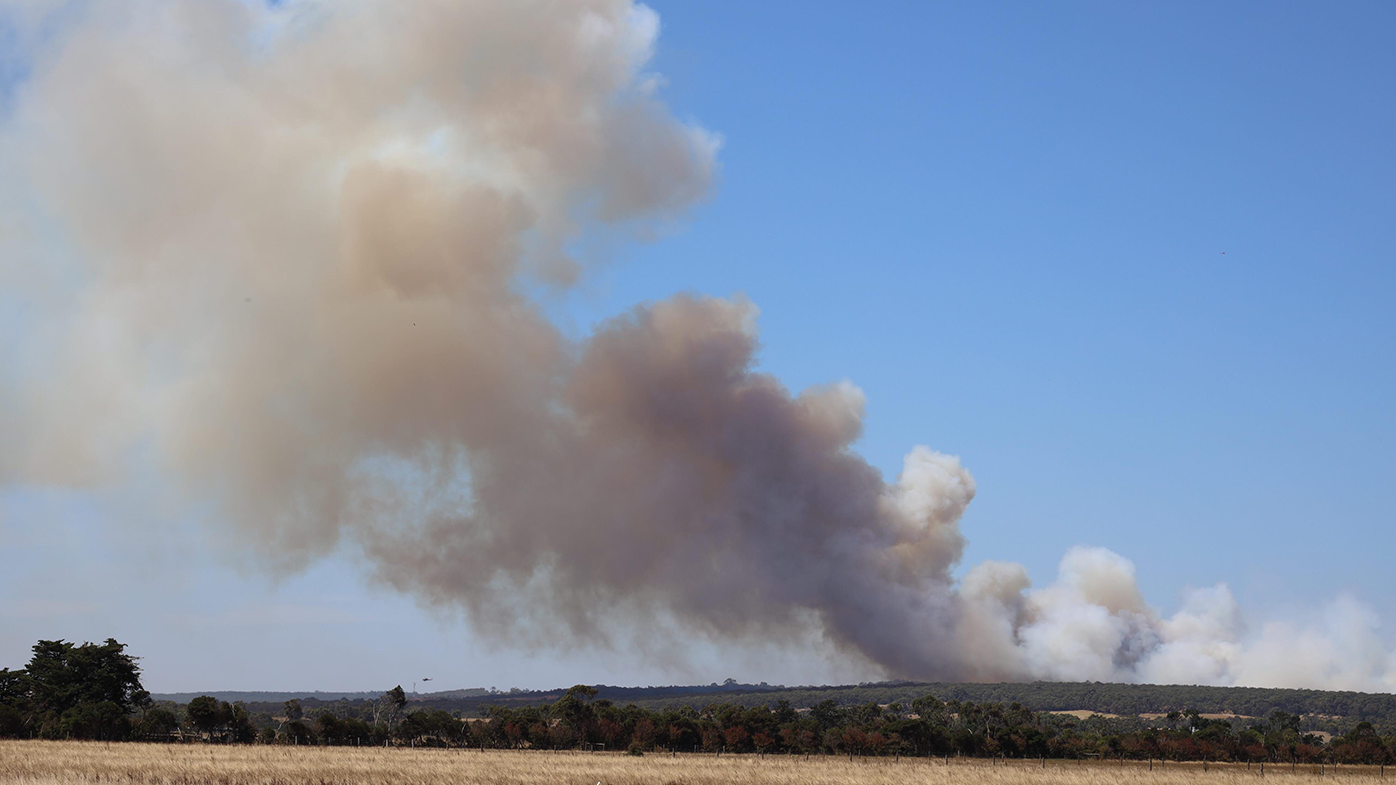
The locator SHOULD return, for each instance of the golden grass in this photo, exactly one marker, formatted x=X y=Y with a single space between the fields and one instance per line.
x=59 y=763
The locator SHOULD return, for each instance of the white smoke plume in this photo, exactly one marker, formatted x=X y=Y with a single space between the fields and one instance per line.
x=280 y=255
x=1092 y=624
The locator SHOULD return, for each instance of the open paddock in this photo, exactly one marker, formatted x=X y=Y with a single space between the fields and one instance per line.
x=57 y=762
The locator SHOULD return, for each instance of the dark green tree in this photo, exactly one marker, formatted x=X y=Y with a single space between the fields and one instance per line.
x=205 y=713
x=157 y=722
x=784 y=712
x=574 y=709
x=16 y=706
x=85 y=691
x=298 y=732
x=241 y=729
x=394 y=701
x=329 y=728
x=828 y=714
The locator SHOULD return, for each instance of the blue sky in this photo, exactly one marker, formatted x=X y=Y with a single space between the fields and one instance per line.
x=1134 y=263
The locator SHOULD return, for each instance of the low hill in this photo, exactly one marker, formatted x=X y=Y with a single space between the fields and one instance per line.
x=265 y=697
x=1095 y=697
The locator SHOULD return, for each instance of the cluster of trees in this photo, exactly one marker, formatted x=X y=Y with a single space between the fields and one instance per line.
x=219 y=720
x=362 y=722
x=92 y=691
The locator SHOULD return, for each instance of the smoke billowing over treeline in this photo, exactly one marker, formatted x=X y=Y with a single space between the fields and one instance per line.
x=280 y=256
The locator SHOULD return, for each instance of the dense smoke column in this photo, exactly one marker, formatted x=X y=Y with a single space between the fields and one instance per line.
x=279 y=257
x=301 y=237
x=677 y=478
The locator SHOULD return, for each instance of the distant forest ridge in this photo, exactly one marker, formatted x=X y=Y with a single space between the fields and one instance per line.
x=264 y=696
x=1121 y=699
x=482 y=695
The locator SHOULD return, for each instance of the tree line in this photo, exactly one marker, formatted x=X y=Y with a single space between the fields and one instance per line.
x=93 y=691
x=927 y=726
x=1321 y=710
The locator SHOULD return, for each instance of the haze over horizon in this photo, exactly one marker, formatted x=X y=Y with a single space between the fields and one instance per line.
x=519 y=343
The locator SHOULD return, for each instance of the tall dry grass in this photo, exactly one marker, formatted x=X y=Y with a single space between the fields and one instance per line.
x=55 y=763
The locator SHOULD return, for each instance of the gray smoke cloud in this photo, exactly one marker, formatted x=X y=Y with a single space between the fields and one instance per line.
x=281 y=257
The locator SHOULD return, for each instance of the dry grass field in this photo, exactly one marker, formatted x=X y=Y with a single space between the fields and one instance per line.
x=54 y=763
